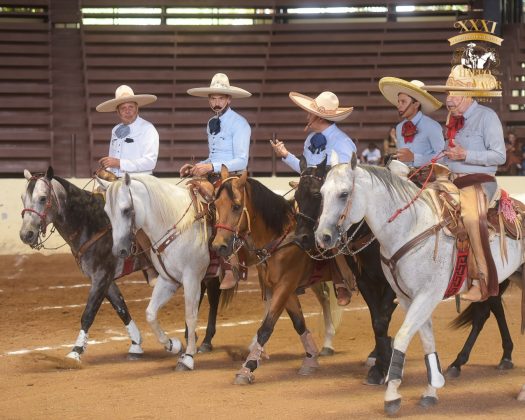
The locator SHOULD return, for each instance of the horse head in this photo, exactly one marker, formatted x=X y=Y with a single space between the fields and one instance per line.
x=341 y=204
x=308 y=201
x=231 y=214
x=41 y=205
x=125 y=214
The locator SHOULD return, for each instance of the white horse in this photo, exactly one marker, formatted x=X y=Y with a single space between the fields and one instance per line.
x=179 y=252
x=352 y=193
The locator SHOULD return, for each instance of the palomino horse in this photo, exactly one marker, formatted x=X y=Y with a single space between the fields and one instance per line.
x=166 y=214
x=80 y=219
x=377 y=292
x=421 y=276
x=362 y=256
x=250 y=215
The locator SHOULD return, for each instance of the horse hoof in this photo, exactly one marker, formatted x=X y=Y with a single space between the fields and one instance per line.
x=327 y=351
x=243 y=380
x=371 y=361
x=205 y=348
x=173 y=346
x=426 y=402
x=306 y=370
x=374 y=377
x=521 y=395
x=392 y=407
x=452 y=372
x=185 y=363
x=135 y=356
x=505 y=364
x=73 y=355
x=181 y=367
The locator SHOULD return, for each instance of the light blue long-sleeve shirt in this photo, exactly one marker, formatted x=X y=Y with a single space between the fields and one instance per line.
x=482 y=139
x=231 y=146
x=336 y=140
x=428 y=141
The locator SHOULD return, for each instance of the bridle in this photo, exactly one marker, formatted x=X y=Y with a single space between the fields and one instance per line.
x=47 y=207
x=235 y=229
x=299 y=212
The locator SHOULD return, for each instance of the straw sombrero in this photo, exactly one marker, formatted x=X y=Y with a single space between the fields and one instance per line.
x=326 y=105
x=391 y=87
x=220 y=85
x=463 y=81
x=125 y=94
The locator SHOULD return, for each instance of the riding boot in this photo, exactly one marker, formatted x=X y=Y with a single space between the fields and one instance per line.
x=473 y=294
x=230 y=272
x=341 y=282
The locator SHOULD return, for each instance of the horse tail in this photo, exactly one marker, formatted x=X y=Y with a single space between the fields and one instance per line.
x=466 y=317
x=335 y=309
x=227 y=296
x=325 y=291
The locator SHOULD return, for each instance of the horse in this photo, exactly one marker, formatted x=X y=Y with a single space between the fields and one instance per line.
x=420 y=277
x=364 y=263
x=165 y=213
x=251 y=215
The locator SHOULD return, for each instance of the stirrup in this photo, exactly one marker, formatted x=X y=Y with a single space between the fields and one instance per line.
x=473 y=294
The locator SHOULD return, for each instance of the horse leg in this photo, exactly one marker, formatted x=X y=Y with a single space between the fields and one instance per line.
x=267 y=292
x=478 y=313
x=496 y=306
x=435 y=377
x=418 y=313
x=323 y=296
x=214 y=295
x=310 y=362
x=162 y=293
x=119 y=305
x=99 y=287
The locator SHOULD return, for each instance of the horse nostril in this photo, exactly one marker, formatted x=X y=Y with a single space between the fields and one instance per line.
x=30 y=234
x=327 y=238
x=304 y=239
x=123 y=253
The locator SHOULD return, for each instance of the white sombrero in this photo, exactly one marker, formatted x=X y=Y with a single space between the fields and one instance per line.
x=391 y=87
x=125 y=94
x=326 y=105
x=220 y=85
x=463 y=81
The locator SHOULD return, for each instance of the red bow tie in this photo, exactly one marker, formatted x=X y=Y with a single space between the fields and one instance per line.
x=454 y=125
x=408 y=131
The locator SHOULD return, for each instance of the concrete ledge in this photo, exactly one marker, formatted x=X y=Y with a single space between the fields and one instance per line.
x=11 y=208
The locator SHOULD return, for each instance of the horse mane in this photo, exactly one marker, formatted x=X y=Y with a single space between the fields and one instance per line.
x=274 y=209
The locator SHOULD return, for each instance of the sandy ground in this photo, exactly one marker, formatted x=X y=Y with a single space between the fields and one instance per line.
x=37 y=314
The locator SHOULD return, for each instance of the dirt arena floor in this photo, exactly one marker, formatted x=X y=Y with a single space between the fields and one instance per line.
x=41 y=299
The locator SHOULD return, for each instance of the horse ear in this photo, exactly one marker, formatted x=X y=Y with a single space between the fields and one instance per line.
x=127 y=179
x=27 y=174
x=242 y=180
x=103 y=183
x=321 y=168
x=334 y=158
x=224 y=172
x=353 y=161
x=302 y=163
x=50 y=173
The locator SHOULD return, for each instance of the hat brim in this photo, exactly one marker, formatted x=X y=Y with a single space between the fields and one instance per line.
x=112 y=104
x=233 y=91
x=306 y=103
x=391 y=87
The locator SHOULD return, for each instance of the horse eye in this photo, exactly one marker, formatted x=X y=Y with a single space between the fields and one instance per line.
x=43 y=199
x=126 y=212
x=236 y=207
x=344 y=194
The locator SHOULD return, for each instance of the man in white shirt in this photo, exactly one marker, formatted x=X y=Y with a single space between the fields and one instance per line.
x=371 y=155
x=134 y=146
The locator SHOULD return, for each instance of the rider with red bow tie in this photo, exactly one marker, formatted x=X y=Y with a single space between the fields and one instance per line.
x=419 y=137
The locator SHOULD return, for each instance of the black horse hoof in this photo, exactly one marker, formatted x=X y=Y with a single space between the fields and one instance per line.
x=374 y=377
x=426 y=402
x=326 y=351
x=505 y=364
x=205 y=348
x=392 y=407
x=452 y=372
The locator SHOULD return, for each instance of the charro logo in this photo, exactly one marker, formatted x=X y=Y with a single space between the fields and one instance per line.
x=476 y=30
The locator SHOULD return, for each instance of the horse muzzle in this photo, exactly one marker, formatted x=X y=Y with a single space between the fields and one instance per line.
x=326 y=238
x=29 y=236
x=221 y=247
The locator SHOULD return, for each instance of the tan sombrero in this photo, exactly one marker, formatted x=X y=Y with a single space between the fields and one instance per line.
x=125 y=94
x=391 y=87
x=326 y=105
x=220 y=85
x=462 y=81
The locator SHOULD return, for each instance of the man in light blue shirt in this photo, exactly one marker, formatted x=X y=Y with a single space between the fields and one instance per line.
x=419 y=137
x=325 y=137
x=228 y=132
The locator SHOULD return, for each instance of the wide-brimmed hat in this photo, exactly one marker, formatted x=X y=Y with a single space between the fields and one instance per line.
x=326 y=105
x=125 y=94
x=391 y=87
x=463 y=81
x=220 y=85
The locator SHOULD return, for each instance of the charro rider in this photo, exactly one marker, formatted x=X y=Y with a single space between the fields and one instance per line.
x=228 y=141
x=475 y=149
x=134 y=146
x=419 y=137
x=325 y=137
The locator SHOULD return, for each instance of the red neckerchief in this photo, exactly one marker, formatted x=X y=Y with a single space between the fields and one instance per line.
x=453 y=125
x=408 y=131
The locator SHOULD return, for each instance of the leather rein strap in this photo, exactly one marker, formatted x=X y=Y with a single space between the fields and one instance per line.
x=391 y=262
x=86 y=245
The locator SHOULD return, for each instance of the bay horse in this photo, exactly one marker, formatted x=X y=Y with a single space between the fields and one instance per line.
x=251 y=215
x=377 y=292
x=420 y=278
x=362 y=256
x=165 y=213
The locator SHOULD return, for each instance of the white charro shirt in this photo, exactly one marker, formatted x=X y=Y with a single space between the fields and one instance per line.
x=137 y=150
